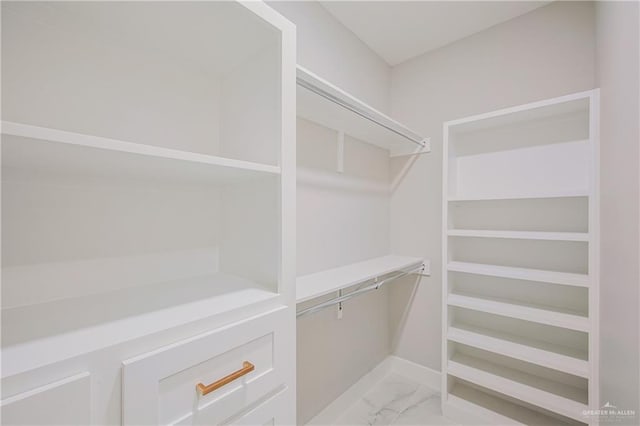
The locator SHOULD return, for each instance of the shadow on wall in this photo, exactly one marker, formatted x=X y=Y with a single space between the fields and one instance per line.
x=401 y=296
x=402 y=293
x=398 y=174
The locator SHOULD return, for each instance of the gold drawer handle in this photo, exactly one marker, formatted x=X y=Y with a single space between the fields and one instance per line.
x=247 y=368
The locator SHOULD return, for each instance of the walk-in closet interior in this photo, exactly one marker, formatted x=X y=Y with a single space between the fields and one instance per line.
x=320 y=212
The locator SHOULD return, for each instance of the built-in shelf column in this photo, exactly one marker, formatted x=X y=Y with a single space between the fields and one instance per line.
x=520 y=270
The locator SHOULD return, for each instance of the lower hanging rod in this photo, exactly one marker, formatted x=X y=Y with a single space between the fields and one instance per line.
x=374 y=286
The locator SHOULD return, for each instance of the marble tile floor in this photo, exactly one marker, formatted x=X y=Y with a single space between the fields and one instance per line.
x=396 y=400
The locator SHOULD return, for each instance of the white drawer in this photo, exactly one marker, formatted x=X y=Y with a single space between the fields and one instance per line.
x=64 y=402
x=160 y=387
x=272 y=412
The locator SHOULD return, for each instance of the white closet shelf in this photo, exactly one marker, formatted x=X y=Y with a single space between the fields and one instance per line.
x=320 y=283
x=97 y=321
x=474 y=404
x=529 y=112
x=498 y=197
x=539 y=275
x=540 y=353
x=324 y=103
x=508 y=354
x=27 y=147
x=550 y=395
x=465 y=399
x=520 y=235
x=541 y=315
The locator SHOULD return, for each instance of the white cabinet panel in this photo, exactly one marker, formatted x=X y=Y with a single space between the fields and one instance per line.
x=160 y=387
x=65 y=402
x=270 y=413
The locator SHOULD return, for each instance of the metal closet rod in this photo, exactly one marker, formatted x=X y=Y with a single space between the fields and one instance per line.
x=374 y=286
x=355 y=110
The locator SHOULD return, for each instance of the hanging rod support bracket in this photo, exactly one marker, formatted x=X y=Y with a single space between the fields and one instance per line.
x=375 y=285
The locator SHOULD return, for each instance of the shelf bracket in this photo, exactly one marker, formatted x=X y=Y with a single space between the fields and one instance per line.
x=375 y=285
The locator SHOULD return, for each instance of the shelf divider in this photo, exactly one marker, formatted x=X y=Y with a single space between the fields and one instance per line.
x=489 y=197
x=519 y=311
x=115 y=146
x=514 y=384
x=520 y=235
x=518 y=350
x=539 y=275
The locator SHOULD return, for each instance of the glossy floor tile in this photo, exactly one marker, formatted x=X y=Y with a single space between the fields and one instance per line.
x=396 y=400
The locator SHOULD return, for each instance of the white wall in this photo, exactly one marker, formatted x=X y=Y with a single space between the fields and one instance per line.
x=329 y=49
x=338 y=226
x=617 y=75
x=342 y=218
x=545 y=53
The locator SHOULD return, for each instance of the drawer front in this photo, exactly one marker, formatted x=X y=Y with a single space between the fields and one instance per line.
x=271 y=412
x=64 y=402
x=274 y=409
x=160 y=387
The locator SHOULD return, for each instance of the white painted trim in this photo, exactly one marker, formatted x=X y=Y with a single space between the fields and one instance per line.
x=444 y=272
x=594 y=254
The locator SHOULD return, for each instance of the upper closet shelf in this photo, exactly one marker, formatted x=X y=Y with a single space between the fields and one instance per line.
x=522 y=196
x=322 y=102
x=519 y=235
x=27 y=148
x=314 y=285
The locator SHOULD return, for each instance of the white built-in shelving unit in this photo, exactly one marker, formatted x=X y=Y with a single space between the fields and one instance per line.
x=148 y=175
x=354 y=122
x=520 y=250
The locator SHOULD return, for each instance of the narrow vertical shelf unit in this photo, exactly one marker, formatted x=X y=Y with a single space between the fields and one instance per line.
x=361 y=134
x=145 y=174
x=344 y=248
x=520 y=270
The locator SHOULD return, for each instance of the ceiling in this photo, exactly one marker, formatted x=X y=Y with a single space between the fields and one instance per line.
x=401 y=30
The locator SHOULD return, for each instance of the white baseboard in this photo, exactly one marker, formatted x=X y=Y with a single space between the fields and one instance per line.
x=390 y=365
x=416 y=372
